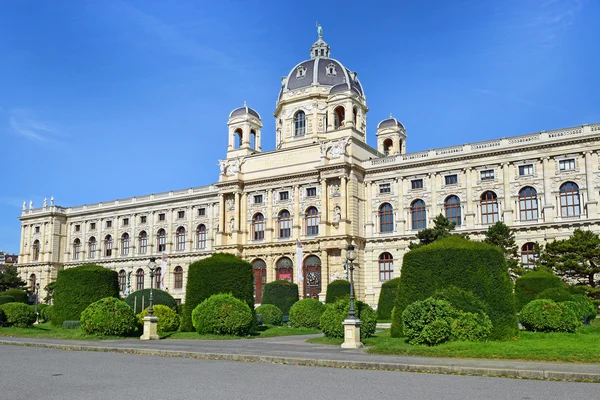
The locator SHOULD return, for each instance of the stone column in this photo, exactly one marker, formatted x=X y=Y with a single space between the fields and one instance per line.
x=507 y=210
x=592 y=203
x=297 y=226
x=344 y=200
x=548 y=210
x=221 y=221
x=324 y=220
x=469 y=210
x=369 y=223
x=325 y=273
x=257 y=141
x=269 y=219
x=237 y=212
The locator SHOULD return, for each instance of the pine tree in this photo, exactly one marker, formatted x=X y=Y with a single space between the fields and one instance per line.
x=500 y=235
x=442 y=227
x=10 y=279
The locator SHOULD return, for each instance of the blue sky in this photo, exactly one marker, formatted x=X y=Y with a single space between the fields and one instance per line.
x=101 y=100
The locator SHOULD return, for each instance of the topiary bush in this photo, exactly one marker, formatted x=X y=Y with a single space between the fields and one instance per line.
x=76 y=288
x=282 y=294
x=6 y=299
x=558 y=294
x=387 y=296
x=139 y=297
x=306 y=313
x=532 y=283
x=19 y=295
x=223 y=314
x=461 y=300
x=220 y=273
x=335 y=314
x=338 y=289
x=110 y=317
x=270 y=314
x=2 y=317
x=545 y=315
x=46 y=313
x=427 y=321
x=19 y=315
x=168 y=320
x=41 y=308
x=471 y=327
x=587 y=308
x=469 y=265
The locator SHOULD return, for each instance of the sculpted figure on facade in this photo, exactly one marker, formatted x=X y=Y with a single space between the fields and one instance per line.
x=45 y=202
x=31 y=204
x=24 y=205
x=339 y=148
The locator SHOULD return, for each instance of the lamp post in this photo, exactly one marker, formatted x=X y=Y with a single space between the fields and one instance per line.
x=150 y=321
x=351 y=323
x=37 y=292
x=152 y=267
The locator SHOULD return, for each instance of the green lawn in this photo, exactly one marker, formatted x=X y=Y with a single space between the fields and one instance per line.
x=582 y=346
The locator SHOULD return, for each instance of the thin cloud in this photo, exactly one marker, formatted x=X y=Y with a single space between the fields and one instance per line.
x=23 y=124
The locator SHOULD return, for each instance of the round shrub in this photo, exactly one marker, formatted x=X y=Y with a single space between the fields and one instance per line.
x=306 y=313
x=76 y=288
x=219 y=273
x=41 y=308
x=532 y=283
x=282 y=294
x=335 y=314
x=46 y=313
x=18 y=315
x=461 y=300
x=223 y=314
x=270 y=314
x=19 y=295
x=386 y=299
x=558 y=294
x=338 y=289
x=168 y=320
x=142 y=297
x=6 y=299
x=545 y=315
x=109 y=316
x=419 y=315
x=587 y=308
x=471 y=327
x=2 y=317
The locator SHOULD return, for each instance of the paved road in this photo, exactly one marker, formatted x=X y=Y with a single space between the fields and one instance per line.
x=29 y=372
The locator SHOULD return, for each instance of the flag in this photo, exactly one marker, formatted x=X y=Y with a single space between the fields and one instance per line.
x=163 y=271
x=299 y=259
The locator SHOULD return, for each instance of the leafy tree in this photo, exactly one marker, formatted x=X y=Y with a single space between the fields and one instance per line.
x=500 y=235
x=577 y=257
x=49 y=292
x=442 y=227
x=10 y=279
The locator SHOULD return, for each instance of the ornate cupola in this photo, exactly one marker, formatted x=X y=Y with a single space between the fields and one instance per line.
x=391 y=137
x=244 y=132
x=320 y=48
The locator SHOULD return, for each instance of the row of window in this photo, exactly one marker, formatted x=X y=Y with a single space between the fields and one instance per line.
x=139 y=278
x=143 y=220
x=339 y=116
x=528 y=208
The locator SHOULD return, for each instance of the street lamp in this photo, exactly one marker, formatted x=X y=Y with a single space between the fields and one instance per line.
x=37 y=292
x=152 y=267
x=351 y=256
x=351 y=323
x=150 y=321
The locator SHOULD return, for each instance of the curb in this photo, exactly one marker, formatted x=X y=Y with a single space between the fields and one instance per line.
x=367 y=365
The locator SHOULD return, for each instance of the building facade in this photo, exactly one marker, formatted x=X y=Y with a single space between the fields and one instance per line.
x=325 y=187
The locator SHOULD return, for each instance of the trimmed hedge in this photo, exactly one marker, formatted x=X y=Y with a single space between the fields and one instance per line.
x=270 y=314
x=557 y=294
x=532 y=283
x=306 y=313
x=338 y=289
x=18 y=315
x=282 y=294
x=76 y=288
x=158 y=297
x=109 y=316
x=545 y=315
x=46 y=313
x=387 y=297
x=223 y=314
x=220 y=273
x=19 y=295
x=168 y=320
x=462 y=300
x=427 y=321
x=469 y=265
x=6 y=299
x=331 y=322
x=587 y=308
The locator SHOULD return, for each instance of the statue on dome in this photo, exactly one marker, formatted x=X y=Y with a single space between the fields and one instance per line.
x=319 y=30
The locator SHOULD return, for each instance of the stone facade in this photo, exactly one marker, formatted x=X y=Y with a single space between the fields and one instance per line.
x=326 y=187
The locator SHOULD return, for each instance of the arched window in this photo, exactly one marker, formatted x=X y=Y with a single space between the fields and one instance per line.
x=92 y=247
x=489 y=208
x=569 y=200
x=253 y=139
x=284 y=223
x=354 y=115
x=180 y=239
x=201 y=236
x=35 y=251
x=528 y=256
x=122 y=281
x=452 y=209
x=311 y=219
x=299 y=124
x=178 y=275
x=338 y=117
x=108 y=245
x=76 y=249
x=157 y=277
x=259 y=269
x=386 y=267
x=239 y=136
x=161 y=240
x=528 y=204
x=284 y=269
x=143 y=238
x=387 y=146
x=139 y=279
x=258 y=227
x=386 y=218
x=32 y=282
x=418 y=215
x=125 y=244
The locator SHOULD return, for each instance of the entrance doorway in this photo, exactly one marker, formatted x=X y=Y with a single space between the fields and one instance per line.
x=312 y=277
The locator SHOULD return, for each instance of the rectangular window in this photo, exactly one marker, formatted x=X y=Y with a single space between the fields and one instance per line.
x=37 y=229
x=109 y=224
x=526 y=169
x=416 y=183
x=125 y=221
x=77 y=228
x=201 y=212
x=487 y=175
x=311 y=192
x=143 y=219
x=283 y=195
x=451 y=179
x=566 y=165
x=180 y=214
x=92 y=226
x=385 y=188
x=161 y=217
x=258 y=199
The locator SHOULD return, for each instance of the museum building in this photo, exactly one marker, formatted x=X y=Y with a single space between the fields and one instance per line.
x=324 y=188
